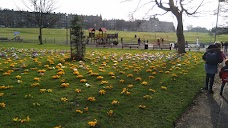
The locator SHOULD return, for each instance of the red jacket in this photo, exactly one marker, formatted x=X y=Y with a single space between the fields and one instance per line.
x=224 y=73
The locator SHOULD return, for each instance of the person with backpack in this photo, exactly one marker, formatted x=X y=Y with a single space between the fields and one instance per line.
x=212 y=57
x=223 y=74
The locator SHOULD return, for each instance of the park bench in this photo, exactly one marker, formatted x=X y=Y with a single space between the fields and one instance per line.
x=4 y=39
x=161 y=46
x=104 y=45
x=130 y=45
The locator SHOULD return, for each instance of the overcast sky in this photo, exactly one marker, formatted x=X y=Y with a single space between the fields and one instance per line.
x=117 y=9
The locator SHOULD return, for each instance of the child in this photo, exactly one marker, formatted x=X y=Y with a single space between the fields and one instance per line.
x=222 y=53
x=224 y=75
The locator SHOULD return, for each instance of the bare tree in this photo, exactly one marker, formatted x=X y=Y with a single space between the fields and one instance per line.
x=177 y=8
x=40 y=9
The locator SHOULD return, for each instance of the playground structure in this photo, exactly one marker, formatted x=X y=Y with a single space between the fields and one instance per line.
x=17 y=37
x=102 y=38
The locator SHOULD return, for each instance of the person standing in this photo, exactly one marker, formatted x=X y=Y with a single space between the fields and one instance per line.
x=212 y=57
x=222 y=44
x=158 y=42
x=225 y=47
x=223 y=74
x=139 y=41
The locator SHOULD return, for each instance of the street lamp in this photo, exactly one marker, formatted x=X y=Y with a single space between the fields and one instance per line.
x=155 y=30
x=66 y=29
x=216 y=27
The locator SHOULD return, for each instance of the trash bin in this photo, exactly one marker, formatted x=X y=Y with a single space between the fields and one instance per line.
x=146 y=46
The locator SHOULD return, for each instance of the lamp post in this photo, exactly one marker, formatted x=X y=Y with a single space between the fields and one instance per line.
x=66 y=29
x=216 y=26
x=155 y=30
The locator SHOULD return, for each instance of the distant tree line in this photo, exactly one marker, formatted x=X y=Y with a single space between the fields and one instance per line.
x=22 y=19
x=220 y=30
x=198 y=29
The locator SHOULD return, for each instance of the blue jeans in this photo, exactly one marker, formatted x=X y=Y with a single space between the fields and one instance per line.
x=209 y=80
x=222 y=87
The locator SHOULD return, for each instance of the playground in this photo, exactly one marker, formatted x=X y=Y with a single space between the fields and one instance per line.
x=102 y=39
x=16 y=38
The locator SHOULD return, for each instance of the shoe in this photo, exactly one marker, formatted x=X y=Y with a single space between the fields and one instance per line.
x=211 y=92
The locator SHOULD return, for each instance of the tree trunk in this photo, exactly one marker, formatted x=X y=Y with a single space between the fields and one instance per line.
x=40 y=35
x=180 y=34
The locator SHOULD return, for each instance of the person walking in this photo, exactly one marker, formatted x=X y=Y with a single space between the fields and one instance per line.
x=223 y=74
x=139 y=41
x=212 y=57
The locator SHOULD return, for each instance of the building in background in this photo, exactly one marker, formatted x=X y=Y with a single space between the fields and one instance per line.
x=24 y=19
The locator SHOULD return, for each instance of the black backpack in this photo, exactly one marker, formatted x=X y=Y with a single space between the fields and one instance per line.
x=213 y=58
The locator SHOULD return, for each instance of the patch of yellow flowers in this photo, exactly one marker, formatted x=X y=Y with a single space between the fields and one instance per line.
x=35 y=84
x=64 y=99
x=104 y=82
x=138 y=78
x=92 y=123
x=110 y=113
x=142 y=106
x=18 y=77
x=163 y=88
x=129 y=75
x=3 y=105
x=65 y=85
x=125 y=91
x=16 y=119
x=83 y=80
x=37 y=79
x=1 y=94
x=102 y=92
x=56 y=77
x=6 y=87
x=115 y=102
x=147 y=97
x=100 y=77
x=152 y=90
x=91 y=99
x=144 y=83
x=78 y=90
x=79 y=111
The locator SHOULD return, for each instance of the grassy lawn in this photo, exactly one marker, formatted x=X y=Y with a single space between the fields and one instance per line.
x=111 y=88
x=58 y=36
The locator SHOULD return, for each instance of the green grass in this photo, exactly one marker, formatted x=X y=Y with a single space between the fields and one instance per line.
x=171 y=97
x=58 y=36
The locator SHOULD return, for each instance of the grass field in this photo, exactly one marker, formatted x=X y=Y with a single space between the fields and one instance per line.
x=58 y=36
x=111 y=89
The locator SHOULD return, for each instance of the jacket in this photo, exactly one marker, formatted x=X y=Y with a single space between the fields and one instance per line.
x=224 y=73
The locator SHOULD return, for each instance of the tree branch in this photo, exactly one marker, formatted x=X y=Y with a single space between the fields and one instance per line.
x=160 y=5
x=195 y=11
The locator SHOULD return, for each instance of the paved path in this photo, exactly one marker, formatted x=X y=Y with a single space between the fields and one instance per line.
x=142 y=46
x=208 y=110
